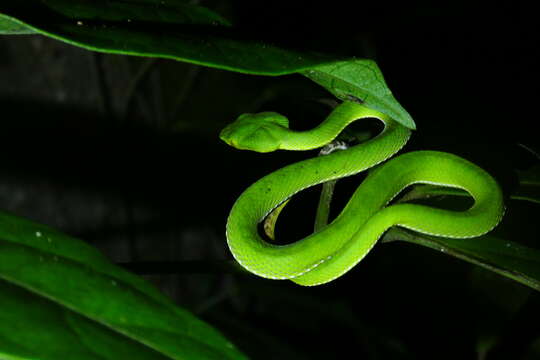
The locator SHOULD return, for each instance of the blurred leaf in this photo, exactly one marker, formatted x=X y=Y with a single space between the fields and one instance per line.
x=525 y=191
x=534 y=351
x=9 y=27
x=176 y=30
x=529 y=185
x=530 y=176
x=59 y=297
x=151 y=11
x=36 y=328
x=361 y=81
x=506 y=258
x=168 y=29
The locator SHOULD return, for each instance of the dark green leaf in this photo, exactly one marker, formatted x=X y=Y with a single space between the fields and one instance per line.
x=361 y=81
x=507 y=258
x=65 y=285
x=36 y=328
x=13 y=27
x=150 y=11
x=529 y=185
x=531 y=176
x=168 y=29
x=525 y=191
x=176 y=30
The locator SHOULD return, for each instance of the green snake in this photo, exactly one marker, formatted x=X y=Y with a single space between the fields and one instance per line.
x=329 y=253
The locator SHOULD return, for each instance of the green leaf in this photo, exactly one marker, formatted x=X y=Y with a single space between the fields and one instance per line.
x=60 y=298
x=506 y=258
x=156 y=28
x=529 y=185
x=531 y=176
x=150 y=11
x=526 y=191
x=35 y=328
x=176 y=30
x=13 y=27
x=361 y=81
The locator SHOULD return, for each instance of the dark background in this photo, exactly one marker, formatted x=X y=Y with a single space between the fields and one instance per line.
x=124 y=153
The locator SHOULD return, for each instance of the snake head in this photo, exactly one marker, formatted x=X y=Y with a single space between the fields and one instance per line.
x=260 y=132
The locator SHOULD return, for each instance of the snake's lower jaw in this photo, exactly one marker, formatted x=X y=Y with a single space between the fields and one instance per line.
x=227 y=139
x=224 y=135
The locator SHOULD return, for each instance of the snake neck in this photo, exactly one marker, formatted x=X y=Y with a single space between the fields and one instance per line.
x=330 y=128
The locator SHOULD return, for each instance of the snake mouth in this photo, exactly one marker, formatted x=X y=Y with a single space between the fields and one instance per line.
x=224 y=135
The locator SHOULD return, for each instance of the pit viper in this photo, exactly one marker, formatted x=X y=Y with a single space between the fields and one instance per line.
x=329 y=253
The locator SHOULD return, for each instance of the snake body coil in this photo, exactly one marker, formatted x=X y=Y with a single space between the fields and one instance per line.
x=329 y=253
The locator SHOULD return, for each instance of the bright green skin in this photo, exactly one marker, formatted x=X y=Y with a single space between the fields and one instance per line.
x=331 y=252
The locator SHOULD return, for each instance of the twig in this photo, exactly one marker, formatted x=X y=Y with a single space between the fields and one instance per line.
x=323 y=209
x=184 y=90
x=104 y=91
x=134 y=84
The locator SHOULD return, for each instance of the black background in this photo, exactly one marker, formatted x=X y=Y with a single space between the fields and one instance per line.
x=150 y=180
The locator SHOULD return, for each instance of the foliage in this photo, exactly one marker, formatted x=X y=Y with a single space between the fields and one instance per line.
x=65 y=297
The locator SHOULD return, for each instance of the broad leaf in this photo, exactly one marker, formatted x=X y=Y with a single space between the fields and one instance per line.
x=59 y=297
x=176 y=30
x=507 y=258
x=168 y=29
x=10 y=27
x=36 y=328
x=361 y=81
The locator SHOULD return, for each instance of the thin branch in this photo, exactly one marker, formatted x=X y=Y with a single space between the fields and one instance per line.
x=104 y=91
x=129 y=97
x=187 y=85
x=325 y=200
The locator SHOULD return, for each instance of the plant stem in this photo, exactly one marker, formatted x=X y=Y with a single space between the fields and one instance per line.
x=323 y=209
x=104 y=91
x=142 y=71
